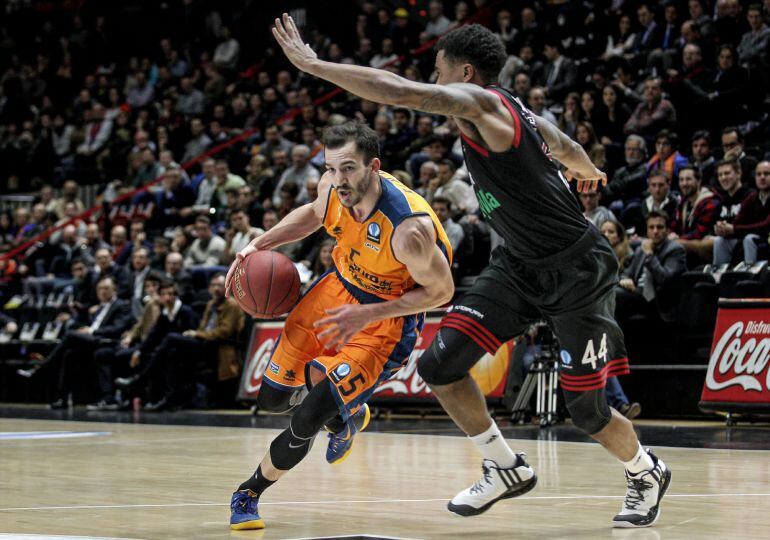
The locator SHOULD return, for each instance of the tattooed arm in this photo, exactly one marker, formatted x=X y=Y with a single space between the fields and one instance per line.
x=462 y=100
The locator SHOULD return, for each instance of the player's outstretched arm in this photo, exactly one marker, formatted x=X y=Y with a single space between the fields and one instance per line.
x=463 y=100
x=572 y=156
x=298 y=224
x=414 y=244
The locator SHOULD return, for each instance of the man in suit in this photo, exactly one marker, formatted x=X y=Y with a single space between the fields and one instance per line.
x=646 y=286
x=105 y=321
x=179 y=352
x=131 y=281
x=176 y=272
x=559 y=75
x=175 y=317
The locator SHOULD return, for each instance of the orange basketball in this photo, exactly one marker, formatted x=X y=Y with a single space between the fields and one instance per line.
x=266 y=284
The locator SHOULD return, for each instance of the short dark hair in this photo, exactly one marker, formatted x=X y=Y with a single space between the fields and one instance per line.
x=365 y=138
x=661 y=214
x=168 y=284
x=730 y=162
x=78 y=260
x=443 y=200
x=449 y=163
x=203 y=219
x=733 y=129
x=476 y=45
x=670 y=136
x=660 y=174
x=701 y=134
x=154 y=276
x=695 y=170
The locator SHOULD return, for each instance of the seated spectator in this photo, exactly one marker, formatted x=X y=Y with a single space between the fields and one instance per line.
x=175 y=318
x=112 y=358
x=571 y=114
x=199 y=142
x=131 y=280
x=106 y=320
x=299 y=173
x=207 y=248
x=225 y=181
x=69 y=193
x=613 y=117
x=695 y=217
x=206 y=184
x=732 y=191
x=161 y=247
x=660 y=197
x=323 y=261
x=176 y=273
x=105 y=265
x=175 y=204
x=703 y=158
x=121 y=249
x=629 y=181
x=647 y=286
x=559 y=74
x=667 y=158
x=443 y=209
x=653 y=114
x=592 y=211
x=239 y=234
x=750 y=227
x=614 y=232
x=729 y=93
x=733 y=148
x=755 y=44
x=648 y=37
x=447 y=185
x=586 y=137
x=288 y=199
x=248 y=202
x=536 y=103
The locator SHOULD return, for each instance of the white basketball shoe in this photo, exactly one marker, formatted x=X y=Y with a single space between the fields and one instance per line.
x=645 y=490
x=496 y=483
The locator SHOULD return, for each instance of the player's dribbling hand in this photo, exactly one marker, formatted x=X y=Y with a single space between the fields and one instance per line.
x=242 y=254
x=297 y=51
x=342 y=324
x=587 y=183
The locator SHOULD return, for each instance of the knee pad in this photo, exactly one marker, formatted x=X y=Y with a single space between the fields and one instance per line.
x=273 y=400
x=589 y=410
x=449 y=358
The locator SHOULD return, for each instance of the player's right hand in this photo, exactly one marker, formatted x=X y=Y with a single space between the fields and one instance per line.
x=587 y=183
x=242 y=254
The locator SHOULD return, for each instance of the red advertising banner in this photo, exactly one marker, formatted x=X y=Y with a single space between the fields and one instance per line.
x=738 y=376
x=491 y=372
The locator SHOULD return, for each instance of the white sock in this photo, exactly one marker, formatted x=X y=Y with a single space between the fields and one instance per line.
x=640 y=462
x=492 y=446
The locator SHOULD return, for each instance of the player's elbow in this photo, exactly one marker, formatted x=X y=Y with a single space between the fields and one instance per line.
x=446 y=293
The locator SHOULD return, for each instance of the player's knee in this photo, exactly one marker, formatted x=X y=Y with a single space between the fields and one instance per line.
x=274 y=400
x=441 y=363
x=589 y=410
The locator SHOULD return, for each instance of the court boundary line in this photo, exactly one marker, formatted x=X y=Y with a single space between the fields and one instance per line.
x=366 y=501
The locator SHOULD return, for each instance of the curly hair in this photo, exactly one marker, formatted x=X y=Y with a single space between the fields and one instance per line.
x=477 y=46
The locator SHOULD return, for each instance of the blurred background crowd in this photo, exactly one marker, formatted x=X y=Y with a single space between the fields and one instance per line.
x=187 y=134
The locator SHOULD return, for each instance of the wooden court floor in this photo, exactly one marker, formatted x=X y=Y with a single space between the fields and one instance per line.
x=107 y=480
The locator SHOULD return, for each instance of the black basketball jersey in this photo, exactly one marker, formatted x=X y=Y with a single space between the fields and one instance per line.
x=522 y=193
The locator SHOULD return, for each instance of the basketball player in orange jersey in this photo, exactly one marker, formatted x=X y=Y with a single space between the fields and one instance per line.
x=358 y=323
x=554 y=266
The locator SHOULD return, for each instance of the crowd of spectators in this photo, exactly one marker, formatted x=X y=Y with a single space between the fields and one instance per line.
x=668 y=97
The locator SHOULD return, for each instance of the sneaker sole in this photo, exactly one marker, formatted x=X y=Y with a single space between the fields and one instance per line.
x=248 y=525
x=465 y=510
x=367 y=418
x=633 y=411
x=631 y=525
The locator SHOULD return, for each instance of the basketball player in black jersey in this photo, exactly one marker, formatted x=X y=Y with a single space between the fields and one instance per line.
x=554 y=266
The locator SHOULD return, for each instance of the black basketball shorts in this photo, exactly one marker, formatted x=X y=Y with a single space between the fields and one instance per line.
x=575 y=297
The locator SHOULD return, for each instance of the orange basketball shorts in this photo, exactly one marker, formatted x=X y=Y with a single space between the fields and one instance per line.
x=370 y=357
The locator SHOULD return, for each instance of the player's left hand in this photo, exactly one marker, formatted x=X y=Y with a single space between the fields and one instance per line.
x=297 y=51
x=587 y=183
x=342 y=323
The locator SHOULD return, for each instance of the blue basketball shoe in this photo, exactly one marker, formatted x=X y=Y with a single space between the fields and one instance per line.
x=340 y=444
x=243 y=511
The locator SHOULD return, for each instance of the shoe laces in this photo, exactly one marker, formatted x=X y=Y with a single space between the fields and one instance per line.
x=478 y=487
x=636 y=490
x=244 y=504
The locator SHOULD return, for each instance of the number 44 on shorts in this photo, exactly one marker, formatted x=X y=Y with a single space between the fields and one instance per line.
x=590 y=357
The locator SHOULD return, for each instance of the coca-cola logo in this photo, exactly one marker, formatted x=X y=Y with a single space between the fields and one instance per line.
x=738 y=360
x=406 y=381
x=258 y=364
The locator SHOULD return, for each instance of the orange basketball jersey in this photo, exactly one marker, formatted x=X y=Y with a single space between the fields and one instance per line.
x=364 y=255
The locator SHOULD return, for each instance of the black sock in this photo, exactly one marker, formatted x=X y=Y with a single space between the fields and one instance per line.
x=335 y=425
x=257 y=483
